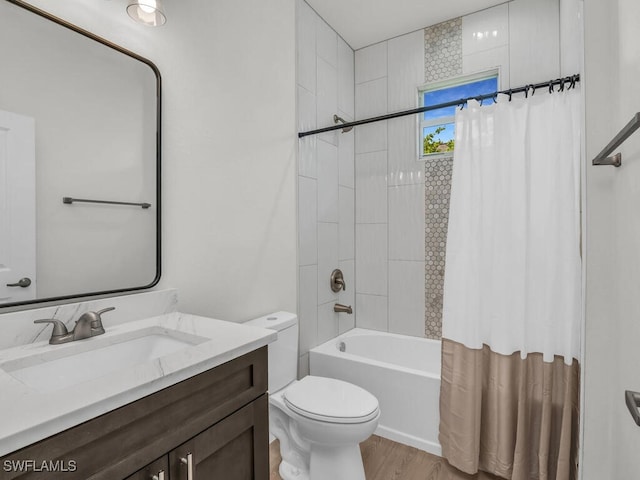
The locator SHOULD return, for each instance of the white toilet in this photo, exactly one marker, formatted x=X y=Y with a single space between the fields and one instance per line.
x=319 y=421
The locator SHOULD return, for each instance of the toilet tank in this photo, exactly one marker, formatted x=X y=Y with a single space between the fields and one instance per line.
x=283 y=353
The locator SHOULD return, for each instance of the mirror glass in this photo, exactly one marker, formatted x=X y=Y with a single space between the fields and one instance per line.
x=79 y=119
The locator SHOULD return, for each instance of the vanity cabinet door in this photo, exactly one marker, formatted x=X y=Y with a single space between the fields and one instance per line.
x=158 y=470
x=232 y=449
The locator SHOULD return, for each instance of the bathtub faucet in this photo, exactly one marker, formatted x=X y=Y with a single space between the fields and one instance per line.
x=339 y=308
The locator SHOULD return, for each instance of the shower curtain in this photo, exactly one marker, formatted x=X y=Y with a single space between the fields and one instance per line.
x=512 y=292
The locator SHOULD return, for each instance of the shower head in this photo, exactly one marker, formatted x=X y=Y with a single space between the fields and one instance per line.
x=337 y=119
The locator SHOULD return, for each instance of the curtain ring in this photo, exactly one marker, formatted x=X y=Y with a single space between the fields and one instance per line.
x=495 y=97
x=533 y=89
x=462 y=104
x=526 y=91
x=480 y=99
x=510 y=93
x=562 y=84
x=551 y=86
x=573 y=81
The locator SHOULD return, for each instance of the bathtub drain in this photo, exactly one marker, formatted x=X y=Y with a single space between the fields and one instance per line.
x=342 y=347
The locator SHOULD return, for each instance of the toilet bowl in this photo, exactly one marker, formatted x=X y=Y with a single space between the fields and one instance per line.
x=319 y=421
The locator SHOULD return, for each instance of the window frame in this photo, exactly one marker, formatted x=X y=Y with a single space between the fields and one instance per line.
x=440 y=85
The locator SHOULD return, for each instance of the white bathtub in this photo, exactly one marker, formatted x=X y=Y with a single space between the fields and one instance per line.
x=402 y=371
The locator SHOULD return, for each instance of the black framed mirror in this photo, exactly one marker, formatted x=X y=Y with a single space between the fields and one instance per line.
x=80 y=165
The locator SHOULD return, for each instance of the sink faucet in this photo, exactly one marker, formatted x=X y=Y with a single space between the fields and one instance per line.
x=88 y=325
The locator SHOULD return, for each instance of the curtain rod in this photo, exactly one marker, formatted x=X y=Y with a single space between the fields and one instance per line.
x=570 y=80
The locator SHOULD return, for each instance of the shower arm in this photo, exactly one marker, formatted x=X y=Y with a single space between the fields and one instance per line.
x=337 y=119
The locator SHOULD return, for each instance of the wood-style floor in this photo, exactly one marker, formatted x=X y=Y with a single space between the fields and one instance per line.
x=387 y=460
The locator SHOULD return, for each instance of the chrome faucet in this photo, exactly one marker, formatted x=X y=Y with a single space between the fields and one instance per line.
x=88 y=325
x=339 y=308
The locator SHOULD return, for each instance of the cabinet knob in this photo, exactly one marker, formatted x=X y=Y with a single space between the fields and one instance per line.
x=188 y=461
x=159 y=476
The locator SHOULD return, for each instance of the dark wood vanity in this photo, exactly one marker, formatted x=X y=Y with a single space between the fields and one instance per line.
x=213 y=425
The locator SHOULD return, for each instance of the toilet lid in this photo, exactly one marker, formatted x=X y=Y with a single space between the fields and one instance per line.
x=331 y=400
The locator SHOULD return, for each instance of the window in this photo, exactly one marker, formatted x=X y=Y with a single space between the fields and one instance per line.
x=437 y=126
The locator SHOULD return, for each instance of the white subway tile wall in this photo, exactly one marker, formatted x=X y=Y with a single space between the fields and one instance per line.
x=346 y=157
x=371 y=187
x=371 y=259
x=406 y=284
x=308 y=306
x=328 y=258
x=348 y=296
x=571 y=41
x=406 y=223
x=403 y=169
x=326 y=42
x=371 y=98
x=327 y=322
x=308 y=165
x=385 y=216
x=326 y=185
x=303 y=365
x=405 y=67
x=307 y=221
x=534 y=41
x=371 y=63
x=372 y=312
x=489 y=59
x=371 y=137
x=485 y=30
x=414 y=206
x=327 y=182
x=389 y=184
x=326 y=99
x=346 y=225
x=346 y=80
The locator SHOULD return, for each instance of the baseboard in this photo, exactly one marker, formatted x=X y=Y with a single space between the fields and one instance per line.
x=416 y=442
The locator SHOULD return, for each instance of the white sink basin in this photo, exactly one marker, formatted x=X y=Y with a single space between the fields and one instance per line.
x=90 y=359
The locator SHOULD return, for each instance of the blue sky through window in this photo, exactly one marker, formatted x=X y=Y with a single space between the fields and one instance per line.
x=438 y=133
x=448 y=94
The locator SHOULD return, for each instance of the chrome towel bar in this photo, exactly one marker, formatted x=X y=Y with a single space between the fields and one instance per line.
x=616 y=160
x=70 y=200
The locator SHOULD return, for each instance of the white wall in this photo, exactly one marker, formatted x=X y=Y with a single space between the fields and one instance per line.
x=522 y=40
x=229 y=188
x=325 y=73
x=613 y=236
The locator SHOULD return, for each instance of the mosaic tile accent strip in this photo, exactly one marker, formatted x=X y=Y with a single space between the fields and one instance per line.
x=437 y=194
x=443 y=50
x=443 y=59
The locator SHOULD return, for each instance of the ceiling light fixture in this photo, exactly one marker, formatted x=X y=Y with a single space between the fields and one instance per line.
x=147 y=12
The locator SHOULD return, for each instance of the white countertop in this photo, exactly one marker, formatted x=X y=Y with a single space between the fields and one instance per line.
x=28 y=415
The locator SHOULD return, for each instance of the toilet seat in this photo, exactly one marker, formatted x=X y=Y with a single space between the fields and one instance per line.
x=331 y=400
